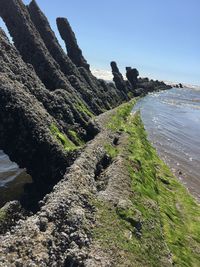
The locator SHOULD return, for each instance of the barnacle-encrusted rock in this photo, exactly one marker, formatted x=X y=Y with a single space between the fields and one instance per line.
x=73 y=50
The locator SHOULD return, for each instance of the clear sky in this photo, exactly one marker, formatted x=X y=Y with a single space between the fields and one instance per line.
x=161 y=38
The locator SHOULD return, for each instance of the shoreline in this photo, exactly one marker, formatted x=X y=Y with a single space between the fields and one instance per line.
x=171 y=130
x=99 y=203
x=181 y=177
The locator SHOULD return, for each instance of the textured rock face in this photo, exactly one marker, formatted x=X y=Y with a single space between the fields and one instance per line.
x=13 y=212
x=105 y=96
x=132 y=76
x=96 y=94
x=73 y=50
x=58 y=103
x=33 y=50
x=68 y=68
x=25 y=135
x=60 y=233
x=41 y=23
x=41 y=86
x=29 y=108
x=30 y=45
x=145 y=85
x=134 y=86
x=119 y=80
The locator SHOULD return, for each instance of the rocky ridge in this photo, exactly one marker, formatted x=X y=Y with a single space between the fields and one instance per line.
x=38 y=79
x=48 y=100
x=60 y=233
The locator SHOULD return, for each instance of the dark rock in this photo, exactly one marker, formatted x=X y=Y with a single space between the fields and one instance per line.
x=43 y=224
x=30 y=45
x=58 y=103
x=116 y=141
x=41 y=23
x=26 y=137
x=65 y=63
x=145 y=85
x=140 y=92
x=10 y=214
x=62 y=228
x=119 y=81
x=97 y=94
x=29 y=108
x=132 y=76
x=73 y=50
x=25 y=123
x=107 y=95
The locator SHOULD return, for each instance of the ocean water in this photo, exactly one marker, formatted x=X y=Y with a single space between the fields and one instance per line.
x=172 y=120
x=12 y=179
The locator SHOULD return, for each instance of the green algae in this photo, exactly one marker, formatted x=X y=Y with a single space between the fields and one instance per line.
x=162 y=225
x=62 y=139
x=74 y=136
x=81 y=107
x=111 y=150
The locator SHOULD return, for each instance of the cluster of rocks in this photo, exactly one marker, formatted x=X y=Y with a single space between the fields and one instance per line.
x=178 y=85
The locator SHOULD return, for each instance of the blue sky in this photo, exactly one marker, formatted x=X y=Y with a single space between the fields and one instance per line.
x=159 y=37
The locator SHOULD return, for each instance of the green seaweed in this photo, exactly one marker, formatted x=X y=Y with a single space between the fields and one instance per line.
x=81 y=107
x=162 y=226
x=62 y=139
x=111 y=150
x=118 y=120
x=130 y=95
x=76 y=138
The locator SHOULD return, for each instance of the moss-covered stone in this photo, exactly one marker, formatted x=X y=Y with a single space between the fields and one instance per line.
x=62 y=138
x=81 y=107
x=76 y=139
x=111 y=150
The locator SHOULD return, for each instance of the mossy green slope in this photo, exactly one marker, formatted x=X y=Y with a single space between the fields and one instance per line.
x=162 y=225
